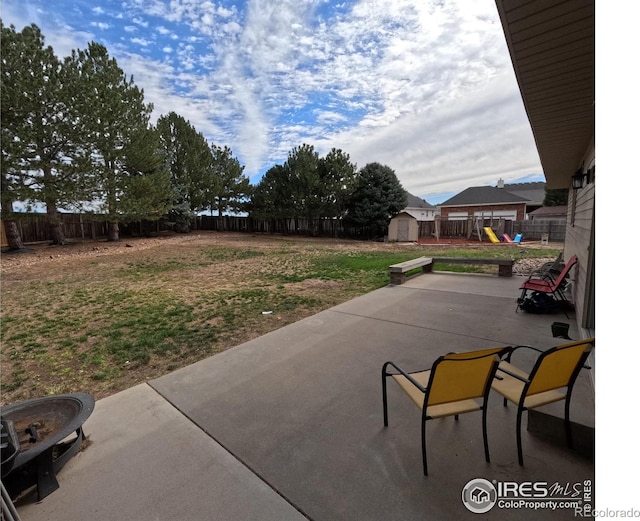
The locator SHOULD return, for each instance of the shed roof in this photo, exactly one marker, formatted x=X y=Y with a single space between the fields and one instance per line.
x=404 y=215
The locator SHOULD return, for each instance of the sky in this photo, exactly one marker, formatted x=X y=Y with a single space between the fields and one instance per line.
x=425 y=87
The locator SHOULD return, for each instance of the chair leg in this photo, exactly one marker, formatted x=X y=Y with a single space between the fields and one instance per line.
x=484 y=433
x=567 y=421
x=424 y=446
x=519 y=435
x=523 y=295
x=384 y=395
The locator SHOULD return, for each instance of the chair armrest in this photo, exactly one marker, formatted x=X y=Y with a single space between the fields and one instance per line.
x=403 y=373
x=516 y=376
x=515 y=348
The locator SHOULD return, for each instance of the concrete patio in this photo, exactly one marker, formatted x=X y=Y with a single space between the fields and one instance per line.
x=289 y=426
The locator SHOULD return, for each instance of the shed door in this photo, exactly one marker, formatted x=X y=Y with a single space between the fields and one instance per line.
x=403 y=230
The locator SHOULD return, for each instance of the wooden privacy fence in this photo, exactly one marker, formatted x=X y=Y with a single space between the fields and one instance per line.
x=555 y=228
x=531 y=230
x=286 y=226
x=35 y=227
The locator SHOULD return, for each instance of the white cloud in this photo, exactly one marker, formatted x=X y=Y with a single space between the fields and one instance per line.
x=101 y=25
x=157 y=80
x=141 y=41
x=330 y=117
x=424 y=86
x=140 y=22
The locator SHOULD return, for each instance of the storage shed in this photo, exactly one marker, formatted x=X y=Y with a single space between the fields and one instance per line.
x=403 y=228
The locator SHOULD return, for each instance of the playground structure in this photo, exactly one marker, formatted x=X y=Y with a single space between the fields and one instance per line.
x=477 y=224
x=492 y=228
x=472 y=229
x=516 y=239
x=505 y=236
x=491 y=235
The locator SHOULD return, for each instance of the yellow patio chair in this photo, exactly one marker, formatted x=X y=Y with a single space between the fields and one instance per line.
x=457 y=383
x=551 y=380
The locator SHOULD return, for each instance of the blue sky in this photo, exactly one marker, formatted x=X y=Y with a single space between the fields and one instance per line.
x=423 y=86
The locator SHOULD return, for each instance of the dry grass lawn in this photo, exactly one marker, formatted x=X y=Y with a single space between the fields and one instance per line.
x=99 y=317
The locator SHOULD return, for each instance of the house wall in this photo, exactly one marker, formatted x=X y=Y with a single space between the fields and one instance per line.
x=580 y=241
x=421 y=214
x=459 y=211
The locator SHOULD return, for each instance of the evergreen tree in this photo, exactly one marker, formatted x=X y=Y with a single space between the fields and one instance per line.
x=303 y=164
x=338 y=180
x=556 y=197
x=189 y=160
x=109 y=113
x=229 y=187
x=306 y=185
x=145 y=179
x=377 y=197
x=11 y=158
x=272 y=198
x=37 y=129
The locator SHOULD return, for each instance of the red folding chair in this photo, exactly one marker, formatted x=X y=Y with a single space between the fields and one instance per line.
x=555 y=288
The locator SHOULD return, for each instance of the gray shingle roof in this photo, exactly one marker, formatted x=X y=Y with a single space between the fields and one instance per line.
x=533 y=192
x=415 y=202
x=548 y=211
x=476 y=195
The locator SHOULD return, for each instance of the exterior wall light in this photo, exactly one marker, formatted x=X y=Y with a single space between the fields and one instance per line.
x=577 y=179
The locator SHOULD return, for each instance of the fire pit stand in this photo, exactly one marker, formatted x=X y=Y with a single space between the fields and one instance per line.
x=34 y=440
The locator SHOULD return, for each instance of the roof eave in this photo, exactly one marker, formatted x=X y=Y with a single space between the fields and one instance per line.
x=552 y=48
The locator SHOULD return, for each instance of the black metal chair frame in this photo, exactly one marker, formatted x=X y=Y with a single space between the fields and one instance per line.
x=499 y=352
x=532 y=375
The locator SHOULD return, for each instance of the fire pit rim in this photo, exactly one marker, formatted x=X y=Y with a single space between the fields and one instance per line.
x=87 y=404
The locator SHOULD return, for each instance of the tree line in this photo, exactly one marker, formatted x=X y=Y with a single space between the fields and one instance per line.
x=76 y=135
x=330 y=187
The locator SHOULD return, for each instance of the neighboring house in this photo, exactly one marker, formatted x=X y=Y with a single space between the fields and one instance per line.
x=552 y=48
x=549 y=213
x=512 y=202
x=419 y=208
x=532 y=192
x=489 y=202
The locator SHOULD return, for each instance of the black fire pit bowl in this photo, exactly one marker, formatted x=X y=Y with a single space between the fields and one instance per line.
x=34 y=445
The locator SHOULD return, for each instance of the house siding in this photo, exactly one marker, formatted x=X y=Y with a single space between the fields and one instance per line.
x=457 y=211
x=421 y=214
x=580 y=241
